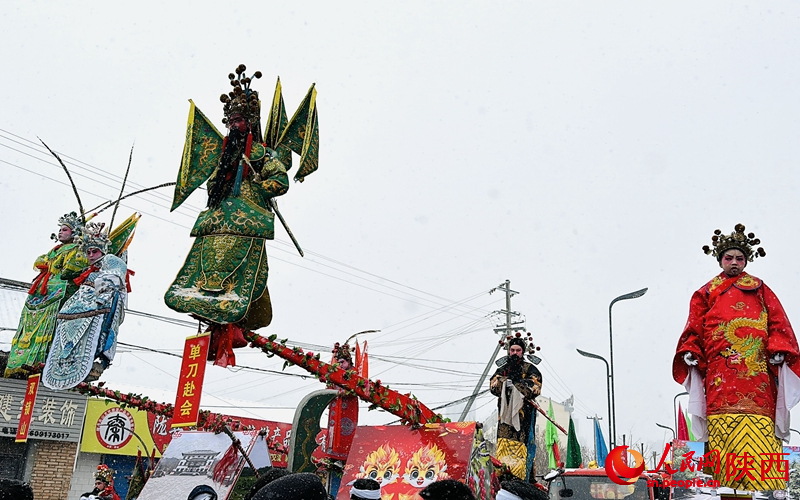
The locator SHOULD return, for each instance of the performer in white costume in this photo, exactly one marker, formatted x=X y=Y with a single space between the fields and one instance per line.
x=86 y=333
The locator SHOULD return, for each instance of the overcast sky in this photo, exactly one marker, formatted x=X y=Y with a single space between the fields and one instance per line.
x=582 y=150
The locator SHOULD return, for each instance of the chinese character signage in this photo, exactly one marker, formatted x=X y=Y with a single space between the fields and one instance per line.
x=112 y=430
x=190 y=381
x=52 y=415
x=27 y=408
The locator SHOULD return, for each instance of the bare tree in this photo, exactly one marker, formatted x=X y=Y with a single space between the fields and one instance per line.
x=587 y=454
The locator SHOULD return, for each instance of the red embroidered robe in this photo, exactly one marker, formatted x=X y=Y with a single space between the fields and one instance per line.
x=735 y=325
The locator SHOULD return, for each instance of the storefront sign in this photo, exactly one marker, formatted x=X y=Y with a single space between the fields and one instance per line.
x=112 y=430
x=55 y=415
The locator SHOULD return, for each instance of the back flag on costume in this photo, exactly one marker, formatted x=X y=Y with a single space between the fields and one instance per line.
x=551 y=440
x=201 y=153
x=599 y=443
x=574 y=458
x=301 y=135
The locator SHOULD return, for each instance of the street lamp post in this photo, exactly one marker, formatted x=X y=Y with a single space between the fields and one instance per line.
x=608 y=385
x=674 y=436
x=632 y=295
x=675 y=406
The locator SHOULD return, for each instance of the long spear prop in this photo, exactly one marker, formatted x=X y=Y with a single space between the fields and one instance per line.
x=108 y=204
x=539 y=409
x=274 y=205
x=238 y=444
x=69 y=176
x=121 y=189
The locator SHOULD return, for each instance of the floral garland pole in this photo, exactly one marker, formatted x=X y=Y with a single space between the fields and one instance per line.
x=405 y=406
x=207 y=421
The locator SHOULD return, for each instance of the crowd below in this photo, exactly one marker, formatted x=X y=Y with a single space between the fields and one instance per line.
x=280 y=484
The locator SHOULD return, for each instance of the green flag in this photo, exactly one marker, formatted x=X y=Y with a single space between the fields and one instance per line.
x=689 y=426
x=551 y=440
x=574 y=458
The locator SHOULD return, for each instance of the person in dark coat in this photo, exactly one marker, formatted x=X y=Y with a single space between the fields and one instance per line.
x=521 y=490
x=11 y=489
x=203 y=492
x=365 y=488
x=447 y=489
x=266 y=476
x=303 y=486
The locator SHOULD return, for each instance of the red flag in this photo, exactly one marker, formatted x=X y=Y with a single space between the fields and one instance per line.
x=363 y=370
x=683 y=430
x=556 y=453
x=358 y=358
x=190 y=381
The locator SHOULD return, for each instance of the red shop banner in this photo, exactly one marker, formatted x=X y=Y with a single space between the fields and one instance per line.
x=26 y=415
x=190 y=381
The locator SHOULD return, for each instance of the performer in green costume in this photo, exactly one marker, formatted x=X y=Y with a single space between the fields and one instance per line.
x=223 y=281
x=48 y=293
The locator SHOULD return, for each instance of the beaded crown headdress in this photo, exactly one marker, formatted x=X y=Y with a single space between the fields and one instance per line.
x=517 y=339
x=242 y=100
x=342 y=351
x=92 y=236
x=737 y=239
x=104 y=474
x=73 y=221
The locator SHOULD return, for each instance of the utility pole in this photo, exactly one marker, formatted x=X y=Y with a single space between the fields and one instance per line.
x=507 y=329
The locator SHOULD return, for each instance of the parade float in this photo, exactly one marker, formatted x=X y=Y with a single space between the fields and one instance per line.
x=223 y=285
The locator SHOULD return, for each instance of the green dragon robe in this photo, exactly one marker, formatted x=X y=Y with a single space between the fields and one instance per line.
x=224 y=277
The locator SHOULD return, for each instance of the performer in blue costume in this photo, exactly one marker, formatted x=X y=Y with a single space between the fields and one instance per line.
x=89 y=322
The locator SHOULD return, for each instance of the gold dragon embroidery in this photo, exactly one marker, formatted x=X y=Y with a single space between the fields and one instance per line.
x=717 y=281
x=748 y=350
x=747 y=281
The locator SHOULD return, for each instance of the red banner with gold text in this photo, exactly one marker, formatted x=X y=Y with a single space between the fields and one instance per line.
x=190 y=381
x=27 y=408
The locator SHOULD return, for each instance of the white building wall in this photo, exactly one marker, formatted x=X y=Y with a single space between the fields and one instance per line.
x=83 y=475
x=561 y=414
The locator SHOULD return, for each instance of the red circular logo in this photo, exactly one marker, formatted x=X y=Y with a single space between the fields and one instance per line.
x=115 y=428
x=617 y=468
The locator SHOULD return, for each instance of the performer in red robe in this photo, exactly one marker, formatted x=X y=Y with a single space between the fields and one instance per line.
x=735 y=342
x=336 y=440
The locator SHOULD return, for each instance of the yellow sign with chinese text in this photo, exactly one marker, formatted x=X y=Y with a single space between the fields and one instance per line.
x=111 y=429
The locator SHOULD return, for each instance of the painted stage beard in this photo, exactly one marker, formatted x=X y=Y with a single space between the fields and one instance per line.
x=223 y=183
x=514 y=367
